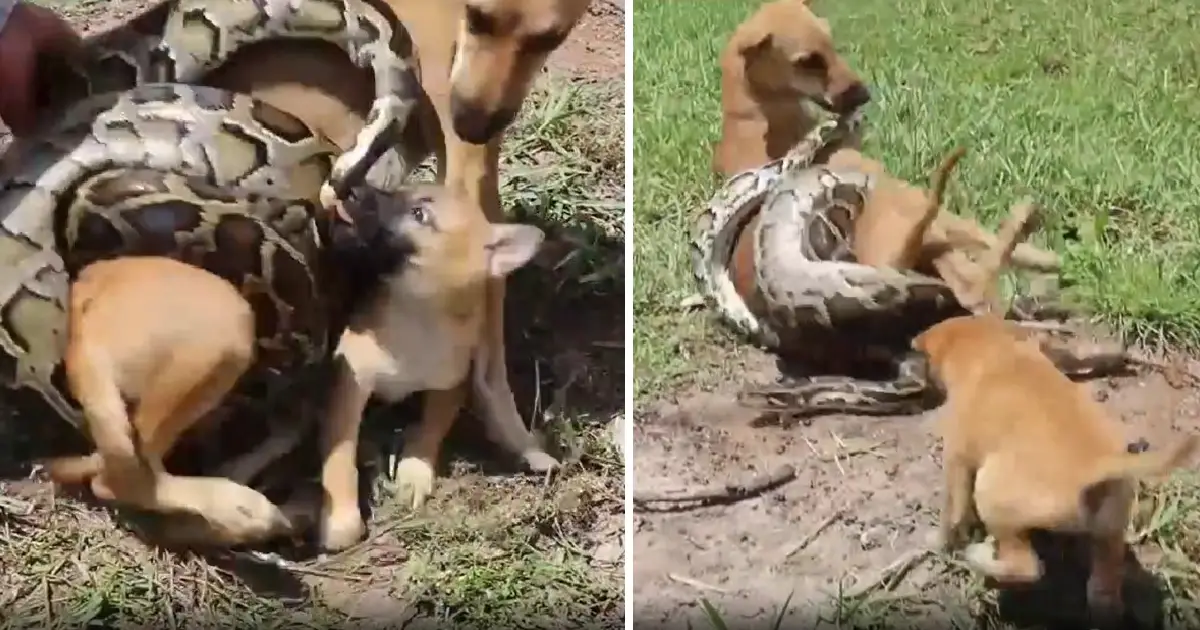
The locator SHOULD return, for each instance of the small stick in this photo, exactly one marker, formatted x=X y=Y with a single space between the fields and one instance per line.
x=696 y=584
x=890 y=574
x=729 y=493
x=811 y=536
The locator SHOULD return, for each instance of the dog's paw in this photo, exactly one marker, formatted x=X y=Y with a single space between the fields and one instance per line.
x=538 y=461
x=341 y=529
x=982 y=557
x=414 y=481
x=239 y=515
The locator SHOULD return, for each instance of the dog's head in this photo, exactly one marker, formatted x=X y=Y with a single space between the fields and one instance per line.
x=424 y=243
x=501 y=47
x=788 y=49
x=962 y=340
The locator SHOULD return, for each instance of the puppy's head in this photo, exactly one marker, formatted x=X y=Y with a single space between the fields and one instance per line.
x=424 y=243
x=961 y=338
x=502 y=44
x=788 y=49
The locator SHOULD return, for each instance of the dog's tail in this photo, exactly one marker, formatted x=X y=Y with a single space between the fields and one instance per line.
x=937 y=184
x=1148 y=464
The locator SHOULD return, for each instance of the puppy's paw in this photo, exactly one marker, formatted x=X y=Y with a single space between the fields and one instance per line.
x=414 y=481
x=981 y=556
x=538 y=461
x=341 y=529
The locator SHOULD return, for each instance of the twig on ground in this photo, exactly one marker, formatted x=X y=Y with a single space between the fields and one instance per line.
x=811 y=536
x=729 y=493
x=697 y=584
x=890 y=575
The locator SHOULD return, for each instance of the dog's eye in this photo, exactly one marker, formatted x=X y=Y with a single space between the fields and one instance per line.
x=420 y=212
x=544 y=42
x=810 y=62
x=479 y=23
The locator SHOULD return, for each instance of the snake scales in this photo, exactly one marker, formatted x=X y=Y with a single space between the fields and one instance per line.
x=218 y=179
x=811 y=300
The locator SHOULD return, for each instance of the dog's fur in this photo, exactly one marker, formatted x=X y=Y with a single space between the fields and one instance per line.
x=890 y=229
x=418 y=320
x=173 y=340
x=1034 y=451
x=477 y=62
x=780 y=57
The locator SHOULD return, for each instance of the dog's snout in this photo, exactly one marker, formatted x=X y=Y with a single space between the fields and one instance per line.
x=852 y=98
x=476 y=124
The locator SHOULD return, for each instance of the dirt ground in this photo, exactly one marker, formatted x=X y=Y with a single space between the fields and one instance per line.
x=490 y=543
x=865 y=498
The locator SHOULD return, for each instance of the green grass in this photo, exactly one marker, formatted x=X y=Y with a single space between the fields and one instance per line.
x=1089 y=107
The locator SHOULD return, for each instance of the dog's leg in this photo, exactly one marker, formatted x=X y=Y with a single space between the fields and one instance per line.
x=1105 y=603
x=984 y=296
x=184 y=393
x=416 y=470
x=1011 y=561
x=956 y=512
x=477 y=168
x=1025 y=256
x=121 y=474
x=181 y=394
x=341 y=521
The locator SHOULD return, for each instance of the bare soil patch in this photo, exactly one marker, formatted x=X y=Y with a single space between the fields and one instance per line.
x=864 y=501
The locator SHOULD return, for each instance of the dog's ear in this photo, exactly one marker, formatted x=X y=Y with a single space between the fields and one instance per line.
x=932 y=340
x=512 y=245
x=755 y=43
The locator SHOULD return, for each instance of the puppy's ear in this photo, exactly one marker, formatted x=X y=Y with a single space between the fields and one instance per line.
x=511 y=246
x=932 y=340
x=755 y=43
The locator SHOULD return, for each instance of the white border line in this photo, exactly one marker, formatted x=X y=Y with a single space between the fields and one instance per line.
x=628 y=4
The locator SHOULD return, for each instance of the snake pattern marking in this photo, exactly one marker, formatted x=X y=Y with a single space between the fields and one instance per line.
x=201 y=174
x=817 y=302
x=211 y=177
x=180 y=41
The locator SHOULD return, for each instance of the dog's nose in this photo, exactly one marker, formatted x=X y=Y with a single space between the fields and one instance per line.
x=475 y=124
x=853 y=98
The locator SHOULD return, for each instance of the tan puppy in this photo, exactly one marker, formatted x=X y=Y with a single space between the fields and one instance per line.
x=173 y=339
x=1034 y=451
x=418 y=322
x=778 y=58
x=478 y=60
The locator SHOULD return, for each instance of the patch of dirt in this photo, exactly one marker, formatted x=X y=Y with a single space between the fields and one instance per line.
x=867 y=493
x=596 y=48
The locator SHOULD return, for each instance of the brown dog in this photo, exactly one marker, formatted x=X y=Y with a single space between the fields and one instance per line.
x=1034 y=451
x=780 y=57
x=478 y=60
x=418 y=321
x=173 y=339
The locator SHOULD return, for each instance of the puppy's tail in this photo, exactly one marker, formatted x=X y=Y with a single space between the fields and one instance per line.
x=1148 y=464
x=937 y=184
